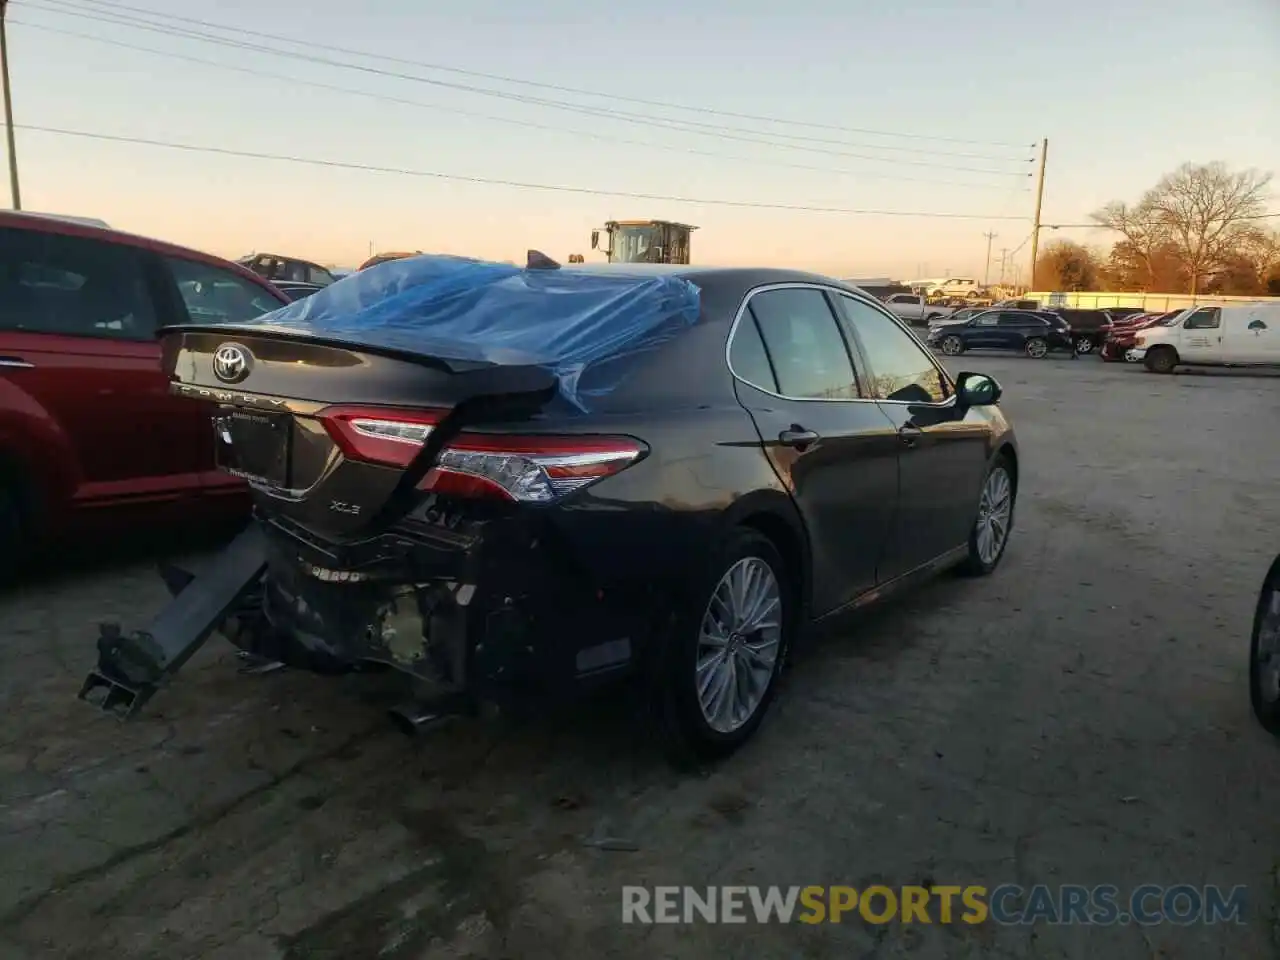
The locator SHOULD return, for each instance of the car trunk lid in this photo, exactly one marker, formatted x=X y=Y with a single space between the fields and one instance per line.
x=336 y=437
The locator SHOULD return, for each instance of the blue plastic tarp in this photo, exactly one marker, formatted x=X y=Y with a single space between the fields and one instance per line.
x=574 y=323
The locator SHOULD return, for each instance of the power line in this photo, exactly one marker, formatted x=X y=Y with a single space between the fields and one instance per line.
x=457 y=71
x=489 y=181
x=499 y=119
x=684 y=126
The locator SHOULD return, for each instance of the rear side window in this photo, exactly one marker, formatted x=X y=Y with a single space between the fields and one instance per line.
x=747 y=356
x=805 y=347
x=73 y=286
x=214 y=295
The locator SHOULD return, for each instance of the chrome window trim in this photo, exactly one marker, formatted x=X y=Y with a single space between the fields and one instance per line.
x=833 y=291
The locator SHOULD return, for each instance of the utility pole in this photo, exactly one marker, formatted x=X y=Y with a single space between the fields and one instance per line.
x=1035 y=227
x=1004 y=257
x=986 y=270
x=8 y=110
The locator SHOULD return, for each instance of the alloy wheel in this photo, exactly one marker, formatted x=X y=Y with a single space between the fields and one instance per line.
x=1037 y=348
x=995 y=508
x=951 y=346
x=738 y=644
x=1084 y=345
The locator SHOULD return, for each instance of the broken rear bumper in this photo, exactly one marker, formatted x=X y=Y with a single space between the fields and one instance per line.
x=494 y=608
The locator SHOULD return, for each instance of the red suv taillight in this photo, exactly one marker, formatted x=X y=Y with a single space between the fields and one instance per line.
x=526 y=468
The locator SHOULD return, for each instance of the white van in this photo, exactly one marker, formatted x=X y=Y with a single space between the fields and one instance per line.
x=1247 y=334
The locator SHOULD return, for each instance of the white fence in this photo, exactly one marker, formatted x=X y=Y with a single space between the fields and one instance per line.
x=1151 y=302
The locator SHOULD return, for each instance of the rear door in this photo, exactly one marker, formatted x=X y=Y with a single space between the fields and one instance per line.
x=943 y=452
x=77 y=334
x=1247 y=336
x=832 y=447
x=198 y=292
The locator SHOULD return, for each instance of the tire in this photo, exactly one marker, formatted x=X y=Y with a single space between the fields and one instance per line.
x=1085 y=344
x=15 y=527
x=1037 y=348
x=1263 y=693
x=687 y=732
x=1161 y=359
x=952 y=345
x=981 y=560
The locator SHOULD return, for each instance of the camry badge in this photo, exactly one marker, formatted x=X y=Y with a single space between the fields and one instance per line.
x=232 y=363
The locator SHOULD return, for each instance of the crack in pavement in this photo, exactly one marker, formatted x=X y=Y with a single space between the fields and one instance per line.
x=25 y=907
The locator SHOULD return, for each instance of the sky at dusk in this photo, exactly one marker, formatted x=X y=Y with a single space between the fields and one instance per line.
x=915 y=106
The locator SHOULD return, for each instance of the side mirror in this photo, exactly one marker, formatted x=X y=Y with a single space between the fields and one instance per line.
x=977 y=390
x=595 y=239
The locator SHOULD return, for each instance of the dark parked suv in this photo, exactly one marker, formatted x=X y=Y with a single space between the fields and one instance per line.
x=728 y=455
x=1089 y=328
x=1034 y=333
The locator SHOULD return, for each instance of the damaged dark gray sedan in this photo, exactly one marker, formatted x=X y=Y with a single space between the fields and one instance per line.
x=513 y=484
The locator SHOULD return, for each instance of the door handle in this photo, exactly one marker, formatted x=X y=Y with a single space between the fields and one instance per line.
x=909 y=434
x=15 y=363
x=798 y=437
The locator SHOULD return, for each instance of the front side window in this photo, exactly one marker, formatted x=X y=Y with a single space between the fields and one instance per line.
x=902 y=368
x=1206 y=318
x=804 y=345
x=987 y=320
x=73 y=286
x=214 y=295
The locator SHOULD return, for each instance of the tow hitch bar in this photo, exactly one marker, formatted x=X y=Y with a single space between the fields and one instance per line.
x=132 y=667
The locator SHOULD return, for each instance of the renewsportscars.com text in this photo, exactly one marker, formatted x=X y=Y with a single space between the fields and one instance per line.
x=1101 y=905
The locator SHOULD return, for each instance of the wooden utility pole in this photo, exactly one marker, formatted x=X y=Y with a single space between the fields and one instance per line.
x=1035 y=227
x=8 y=110
x=1004 y=259
x=986 y=270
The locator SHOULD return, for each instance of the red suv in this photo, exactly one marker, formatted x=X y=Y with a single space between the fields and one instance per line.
x=91 y=440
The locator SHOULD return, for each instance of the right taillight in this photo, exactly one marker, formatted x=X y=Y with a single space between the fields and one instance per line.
x=528 y=469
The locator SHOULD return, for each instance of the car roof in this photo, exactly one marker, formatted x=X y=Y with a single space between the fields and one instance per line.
x=746 y=276
x=43 y=223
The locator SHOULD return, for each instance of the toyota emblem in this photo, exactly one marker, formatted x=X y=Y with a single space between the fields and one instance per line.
x=232 y=363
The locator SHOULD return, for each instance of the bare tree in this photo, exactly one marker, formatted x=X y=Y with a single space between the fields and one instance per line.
x=1208 y=212
x=1144 y=231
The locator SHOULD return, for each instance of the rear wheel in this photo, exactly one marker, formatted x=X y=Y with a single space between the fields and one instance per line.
x=1085 y=344
x=13 y=527
x=1161 y=359
x=994 y=520
x=952 y=346
x=1264 y=654
x=1037 y=348
x=720 y=672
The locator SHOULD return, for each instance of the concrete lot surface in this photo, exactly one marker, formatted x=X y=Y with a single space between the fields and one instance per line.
x=1080 y=717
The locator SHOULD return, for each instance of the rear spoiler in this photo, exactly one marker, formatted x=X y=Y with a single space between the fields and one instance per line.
x=475 y=377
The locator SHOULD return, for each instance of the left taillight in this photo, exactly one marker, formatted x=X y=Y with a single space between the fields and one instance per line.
x=524 y=468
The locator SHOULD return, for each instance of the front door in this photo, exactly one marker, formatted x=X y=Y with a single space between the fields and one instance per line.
x=942 y=451
x=983 y=333
x=1201 y=339
x=836 y=452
